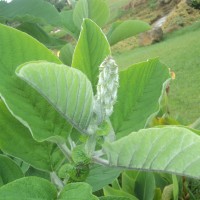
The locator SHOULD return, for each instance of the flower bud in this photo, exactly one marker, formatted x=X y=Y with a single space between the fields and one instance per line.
x=106 y=89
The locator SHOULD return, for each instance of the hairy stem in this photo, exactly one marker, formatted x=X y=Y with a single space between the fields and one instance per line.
x=66 y=151
x=98 y=153
x=56 y=180
x=100 y=161
x=90 y=145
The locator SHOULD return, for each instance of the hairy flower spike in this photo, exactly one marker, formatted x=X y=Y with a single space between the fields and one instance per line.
x=106 y=89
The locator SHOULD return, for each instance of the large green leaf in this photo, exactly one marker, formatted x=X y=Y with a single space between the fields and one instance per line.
x=38 y=11
x=90 y=9
x=24 y=102
x=75 y=191
x=68 y=23
x=97 y=181
x=16 y=140
x=38 y=33
x=171 y=149
x=92 y=48
x=9 y=170
x=66 y=88
x=141 y=87
x=28 y=188
x=125 y=29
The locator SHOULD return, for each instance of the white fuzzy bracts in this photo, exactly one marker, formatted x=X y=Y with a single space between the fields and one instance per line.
x=106 y=88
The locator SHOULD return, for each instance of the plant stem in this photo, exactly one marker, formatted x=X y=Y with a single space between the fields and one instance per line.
x=90 y=144
x=98 y=153
x=56 y=180
x=111 y=135
x=66 y=151
x=100 y=161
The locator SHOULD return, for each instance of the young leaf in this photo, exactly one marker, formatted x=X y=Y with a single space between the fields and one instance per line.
x=90 y=9
x=28 y=188
x=97 y=181
x=26 y=105
x=167 y=193
x=129 y=181
x=122 y=30
x=16 y=140
x=67 y=89
x=145 y=186
x=80 y=13
x=74 y=191
x=37 y=11
x=9 y=170
x=109 y=191
x=141 y=87
x=175 y=187
x=158 y=194
x=68 y=23
x=92 y=48
x=169 y=150
x=66 y=54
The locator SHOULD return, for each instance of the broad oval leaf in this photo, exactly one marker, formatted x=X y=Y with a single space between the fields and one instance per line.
x=67 y=89
x=74 y=191
x=28 y=188
x=141 y=87
x=125 y=29
x=91 y=49
x=170 y=149
x=30 y=11
x=90 y=9
x=68 y=23
x=25 y=104
x=9 y=170
x=16 y=140
x=97 y=181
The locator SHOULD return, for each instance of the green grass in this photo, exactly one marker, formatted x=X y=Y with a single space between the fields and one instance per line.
x=180 y=51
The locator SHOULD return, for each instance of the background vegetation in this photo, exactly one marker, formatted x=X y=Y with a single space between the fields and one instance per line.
x=179 y=50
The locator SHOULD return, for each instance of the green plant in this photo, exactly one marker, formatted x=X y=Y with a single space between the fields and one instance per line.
x=74 y=124
x=194 y=3
x=181 y=97
x=34 y=16
x=153 y=4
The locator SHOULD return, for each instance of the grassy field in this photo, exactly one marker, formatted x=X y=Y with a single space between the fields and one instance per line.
x=180 y=51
